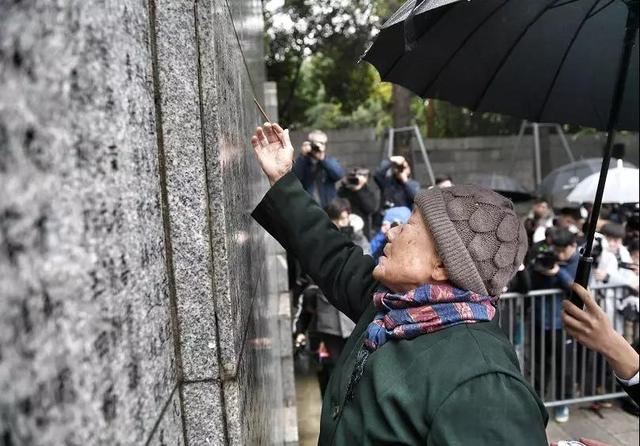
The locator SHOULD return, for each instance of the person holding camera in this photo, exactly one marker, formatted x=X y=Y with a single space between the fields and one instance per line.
x=393 y=177
x=355 y=189
x=554 y=266
x=317 y=171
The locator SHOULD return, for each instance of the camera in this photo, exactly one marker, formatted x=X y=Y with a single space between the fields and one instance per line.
x=398 y=166
x=627 y=265
x=352 y=180
x=315 y=147
x=352 y=177
x=544 y=259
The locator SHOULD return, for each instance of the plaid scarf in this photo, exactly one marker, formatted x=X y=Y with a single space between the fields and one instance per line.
x=426 y=309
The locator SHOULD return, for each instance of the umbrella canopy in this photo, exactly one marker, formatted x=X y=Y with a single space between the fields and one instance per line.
x=540 y=60
x=556 y=186
x=622 y=187
x=566 y=61
x=504 y=185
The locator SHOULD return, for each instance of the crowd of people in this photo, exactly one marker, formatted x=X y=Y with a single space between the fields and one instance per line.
x=555 y=237
x=555 y=240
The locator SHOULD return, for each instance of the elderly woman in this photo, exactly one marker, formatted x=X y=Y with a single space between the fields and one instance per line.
x=426 y=362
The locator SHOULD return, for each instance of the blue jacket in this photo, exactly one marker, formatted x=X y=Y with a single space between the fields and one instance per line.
x=392 y=190
x=377 y=245
x=397 y=214
x=326 y=173
x=563 y=279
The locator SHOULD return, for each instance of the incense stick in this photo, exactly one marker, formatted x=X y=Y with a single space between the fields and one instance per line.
x=264 y=114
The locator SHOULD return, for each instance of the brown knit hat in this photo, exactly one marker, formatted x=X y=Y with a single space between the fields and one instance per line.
x=479 y=237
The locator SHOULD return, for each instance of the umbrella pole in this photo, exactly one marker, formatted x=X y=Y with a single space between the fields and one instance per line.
x=586 y=261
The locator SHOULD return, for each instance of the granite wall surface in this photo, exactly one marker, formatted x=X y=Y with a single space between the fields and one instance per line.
x=139 y=303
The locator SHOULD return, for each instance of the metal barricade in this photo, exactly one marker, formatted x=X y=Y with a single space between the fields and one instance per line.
x=560 y=370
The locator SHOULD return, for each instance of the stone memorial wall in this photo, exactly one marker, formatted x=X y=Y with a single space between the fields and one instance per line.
x=139 y=302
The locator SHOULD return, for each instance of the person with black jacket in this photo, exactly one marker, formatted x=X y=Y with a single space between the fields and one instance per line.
x=355 y=188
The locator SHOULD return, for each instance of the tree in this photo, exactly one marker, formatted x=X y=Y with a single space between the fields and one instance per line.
x=330 y=35
x=312 y=49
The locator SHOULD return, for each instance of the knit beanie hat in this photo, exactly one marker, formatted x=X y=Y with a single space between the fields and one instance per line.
x=479 y=237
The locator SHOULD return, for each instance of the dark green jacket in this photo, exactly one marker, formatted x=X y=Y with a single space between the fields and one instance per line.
x=458 y=386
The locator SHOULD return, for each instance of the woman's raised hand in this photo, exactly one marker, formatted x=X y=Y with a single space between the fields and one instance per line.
x=274 y=151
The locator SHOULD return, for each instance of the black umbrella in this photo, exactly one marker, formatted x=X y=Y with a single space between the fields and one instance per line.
x=505 y=185
x=556 y=186
x=563 y=61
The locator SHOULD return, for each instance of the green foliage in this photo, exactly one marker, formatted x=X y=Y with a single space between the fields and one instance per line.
x=359 y=110
x=453 y=121
x=312 y=49
x=312 y=53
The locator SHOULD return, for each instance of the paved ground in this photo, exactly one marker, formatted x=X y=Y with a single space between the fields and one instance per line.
x=611 y=425
x=308 y=404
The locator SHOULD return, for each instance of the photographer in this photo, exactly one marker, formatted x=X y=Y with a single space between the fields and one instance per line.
x=554 y=266
x=354 y=188
x=317 y=171
x=393 y=179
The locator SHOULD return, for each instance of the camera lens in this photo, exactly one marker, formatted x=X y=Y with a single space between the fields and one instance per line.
x=352 y=179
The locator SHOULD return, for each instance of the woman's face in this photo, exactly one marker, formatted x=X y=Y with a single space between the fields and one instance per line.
x=410 y=258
